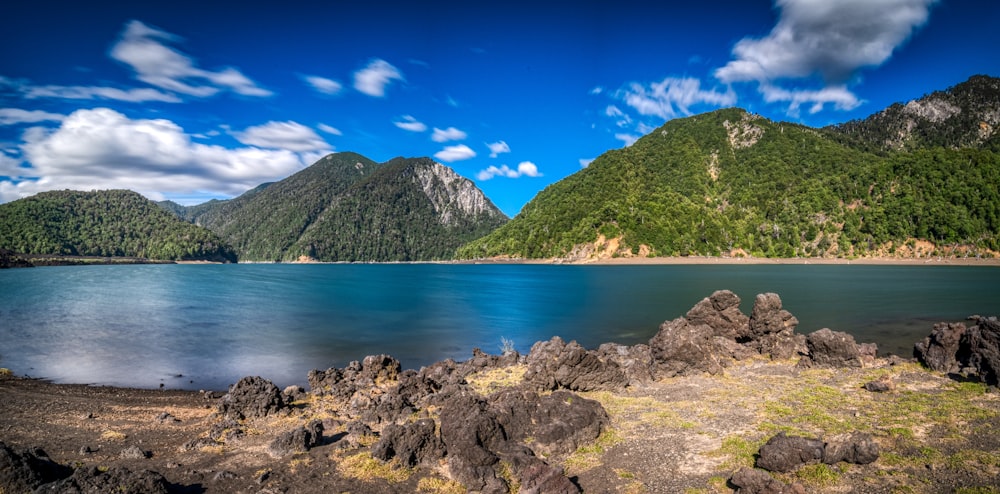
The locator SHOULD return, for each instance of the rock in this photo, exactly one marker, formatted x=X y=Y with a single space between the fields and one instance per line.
x=412 y=444
x=554 y=364
x=883 y=384
x=226 y=430
x=755 y=481
x=114 y=479
x=134 y=453
x=858 y=448
x=293 y=393
x=298 y=440
x=225 y=475
x=939 y=350
x=251 y=397
x=537 y=477
x=832 y=349
x=470 y=434
x=86 y=450
x=721 y=312
x=783 y=453
x=166 y=418
x=358 y=433
x=682 y=349
x=557 y=424
x=772 y=329
x=980 y=350
x=24 y=471
x=635 y=361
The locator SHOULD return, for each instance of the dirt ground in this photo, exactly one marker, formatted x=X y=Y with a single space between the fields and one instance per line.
x=681 y=435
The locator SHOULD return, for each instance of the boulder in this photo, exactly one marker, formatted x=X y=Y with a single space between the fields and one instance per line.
x=635 y=361
x=772 y=329
x=831 y=349
x=471 y=435
x=784 y=453
x=412 y=444
x=535 y=476
x=980 y=350
x=939 y=350
x=23 y=471
x=557 y=424
x=555 y=364
x=115 y=479
x=756 y=481
x=884 y=384
x=858 y=448
x=251 y=397
x=298 y=440
x=134 y=453
x=680 y=349
x=721 y=312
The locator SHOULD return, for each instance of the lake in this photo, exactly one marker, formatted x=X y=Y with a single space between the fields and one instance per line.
x=205 y=326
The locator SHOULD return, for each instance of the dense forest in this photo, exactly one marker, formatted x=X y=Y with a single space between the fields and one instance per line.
x=108 y=223
x=347 y=207
x=733 y=183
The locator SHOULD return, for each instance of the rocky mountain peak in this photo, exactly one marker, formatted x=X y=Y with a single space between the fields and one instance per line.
x=453 y=196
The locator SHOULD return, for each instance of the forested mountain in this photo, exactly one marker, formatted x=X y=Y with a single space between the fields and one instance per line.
x=966 y=115
x=733 y=183
x=347 y=207
x=104 y=223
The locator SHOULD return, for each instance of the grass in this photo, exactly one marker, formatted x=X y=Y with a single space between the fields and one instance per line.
x=739 y=452
x=110 y=435
x=589 y=456
x=437 y=485
x=5 y=372
x=362 y=466
x=493 y=380
x=506 y=472
x=819 y=475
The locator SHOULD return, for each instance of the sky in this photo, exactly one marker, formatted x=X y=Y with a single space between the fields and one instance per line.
x=190 y=101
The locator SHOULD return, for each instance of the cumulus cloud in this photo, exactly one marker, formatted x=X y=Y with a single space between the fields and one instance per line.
x=145 y=49
x=496 y=148
x=628 y=139
x=135 y=95
x=323 y=85
x=292 y=136
x=13 y=116
x=407 y=122
x=839 y=96
x=449 y=134
x=524 y=169
x=455 y=153
x=671 y=97
x=373 y=79
x=329 y=129
x=102 y=148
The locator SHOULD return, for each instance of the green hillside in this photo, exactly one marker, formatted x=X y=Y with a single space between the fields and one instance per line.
x=733 y=183
x=104 y=223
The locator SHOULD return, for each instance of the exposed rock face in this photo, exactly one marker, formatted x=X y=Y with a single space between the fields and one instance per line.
x=555 y=364
x=772 y=328
x=681 y=348
x=721 y=312
x=24 y=471
x=635 y=361
x=939 y=349
x=455 y=198
x=831 y=349
x=251 y=397
x=115 y=479
x=298 y=440
x=783 y=453
x=413 y=444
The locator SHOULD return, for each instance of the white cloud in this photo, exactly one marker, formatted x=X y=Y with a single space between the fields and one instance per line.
x=135 y=95
x=329 y=129
x=12 y=116
x=524 y=169
x=449 y=134
x=411 y=124
x=9 y=165
x=145 y=50
x=584 y=162
x=101 y=149
x=292 y=136
x=455 y=153
x=373 y=79
x=673 y=97
x=628 y=139
x=597 y=90
x=498 y=147
x=615 y=112
x=839 y=96
x=323 y=85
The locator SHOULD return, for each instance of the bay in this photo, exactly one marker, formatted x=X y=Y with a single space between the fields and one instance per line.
x=205 y=326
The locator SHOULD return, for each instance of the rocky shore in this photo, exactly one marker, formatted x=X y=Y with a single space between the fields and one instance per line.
x=717 y=401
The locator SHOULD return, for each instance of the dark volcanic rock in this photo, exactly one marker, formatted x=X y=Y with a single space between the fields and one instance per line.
x=557 y=423
x=721 y=312
x=832 y=349
x=413 y=443
x=783 y=453
x=980 y=350
x=115 y=479
x=134 y=453
x=857 y=448
x=555 y=364
x=681 y=349
x=24 y=471
x=298 y=440
x=772 y=329
x=756 y=481
x=470 y=434
x=939 y=349
x=635 y=361
x=251 y=397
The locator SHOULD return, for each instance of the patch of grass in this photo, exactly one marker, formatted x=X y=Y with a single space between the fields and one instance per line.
x=110 y=435
x=437 y=485
x=363 y=467
x=506 y=472
x=493 y=380
x=297 y=463
x=972 y=460
x=667 y=418
x=624 y=474
x=739 y=452
x=5 y=372
x=819 y=474
x=589 y=456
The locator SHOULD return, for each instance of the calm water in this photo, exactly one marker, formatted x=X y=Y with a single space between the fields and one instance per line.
x=146 y=325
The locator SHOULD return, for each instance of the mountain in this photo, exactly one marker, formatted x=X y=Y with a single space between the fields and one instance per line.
x=965 y=115
x=104 y=223
x=733 y=183
x=346 y=207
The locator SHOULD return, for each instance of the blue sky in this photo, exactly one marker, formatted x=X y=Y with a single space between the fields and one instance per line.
x=196 y=100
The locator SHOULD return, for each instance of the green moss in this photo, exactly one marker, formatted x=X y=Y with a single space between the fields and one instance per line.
x=819 y=474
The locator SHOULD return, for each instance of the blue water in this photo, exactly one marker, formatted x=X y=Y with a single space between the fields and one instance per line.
x=205 y=326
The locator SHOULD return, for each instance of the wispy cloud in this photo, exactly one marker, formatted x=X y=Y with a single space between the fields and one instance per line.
x=292 y=136
x=135 y=95
x=628 y=139
x=13 y=116
x=455 y=153
x=408 y=122
x=449 y=134
x=524 y=169
x=323 y=85
x=329 y=129
x=496 y=148
x=373 y=79
x=145 y=49
x=585 y=162
x=673 y=97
